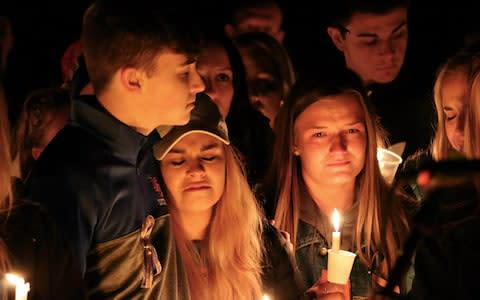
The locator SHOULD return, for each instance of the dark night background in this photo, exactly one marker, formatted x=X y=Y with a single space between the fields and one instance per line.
x=44 y=29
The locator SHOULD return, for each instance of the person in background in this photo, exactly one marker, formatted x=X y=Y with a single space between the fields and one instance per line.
x=446 y=227
x=45 y=112
x=221 y=68
x=270 y=72
x=452 y=101
x=254 y=15
x=325 y=158
x=373 y=37
x=208 y=196
x=98 y=177
x=31 y=246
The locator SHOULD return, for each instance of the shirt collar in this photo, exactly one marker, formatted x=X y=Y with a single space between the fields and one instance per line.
x=124 y=141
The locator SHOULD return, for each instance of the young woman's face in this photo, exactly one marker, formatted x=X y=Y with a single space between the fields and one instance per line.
x=194 y=173
x=264 y=86
x=214 y=67
x=453 y=102
x=330 y=139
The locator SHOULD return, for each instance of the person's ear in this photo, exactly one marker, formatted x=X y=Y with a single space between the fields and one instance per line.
x=279 y=36
x=36 y=151
x=130 y=78
x=229 y=30
x=336 y=37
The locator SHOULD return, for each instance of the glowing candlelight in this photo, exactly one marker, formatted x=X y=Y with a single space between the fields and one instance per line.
x=266 y=297
x=21 y=287
x=336 y=233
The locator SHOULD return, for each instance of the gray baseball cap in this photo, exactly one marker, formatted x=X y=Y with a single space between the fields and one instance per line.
x=204 y=118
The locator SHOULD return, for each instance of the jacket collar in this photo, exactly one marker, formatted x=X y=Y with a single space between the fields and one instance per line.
x=123 y=141
x=311 y=214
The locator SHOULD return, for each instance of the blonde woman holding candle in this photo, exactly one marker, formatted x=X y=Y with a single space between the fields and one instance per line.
x=325 y=158
x=32 y=252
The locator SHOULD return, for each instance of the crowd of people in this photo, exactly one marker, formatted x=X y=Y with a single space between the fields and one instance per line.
x=184 y=161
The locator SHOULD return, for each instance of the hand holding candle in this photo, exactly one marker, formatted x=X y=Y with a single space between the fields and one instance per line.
x=336 y=233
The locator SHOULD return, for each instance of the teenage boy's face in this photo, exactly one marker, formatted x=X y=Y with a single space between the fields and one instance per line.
x=169 y=92
x=374 y=45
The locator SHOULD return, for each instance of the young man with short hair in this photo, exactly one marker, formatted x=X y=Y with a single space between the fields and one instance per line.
x=98 y=177
x=373 y=37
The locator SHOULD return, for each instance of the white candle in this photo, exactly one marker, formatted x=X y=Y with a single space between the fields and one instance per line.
x=21 y=287
x=336 y=233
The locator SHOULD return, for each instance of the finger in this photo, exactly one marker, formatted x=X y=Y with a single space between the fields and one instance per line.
x=324 y=276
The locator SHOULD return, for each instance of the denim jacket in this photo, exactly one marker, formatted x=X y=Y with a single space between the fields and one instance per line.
x=311 y=248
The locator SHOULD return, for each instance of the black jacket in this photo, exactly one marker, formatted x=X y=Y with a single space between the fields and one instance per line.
x=39 y=254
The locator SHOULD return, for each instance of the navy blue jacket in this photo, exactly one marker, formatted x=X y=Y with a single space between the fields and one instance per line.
x=98 y=178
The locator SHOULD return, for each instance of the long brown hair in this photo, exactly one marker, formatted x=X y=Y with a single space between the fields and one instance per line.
x=381 y=225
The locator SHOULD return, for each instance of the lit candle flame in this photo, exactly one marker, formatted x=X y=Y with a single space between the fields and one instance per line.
x=336 y=220
x=21 y=288
x=265 y=297
x=14 y=279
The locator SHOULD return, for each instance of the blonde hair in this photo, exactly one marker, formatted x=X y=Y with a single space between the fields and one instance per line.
x=472 y=120
x=229 y=263
x=464 y=62
x=382 y=224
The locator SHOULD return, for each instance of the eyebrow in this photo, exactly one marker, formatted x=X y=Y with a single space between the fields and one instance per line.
x=189 y=61
x=210 y=146
x=359 y=122
x=372 y=35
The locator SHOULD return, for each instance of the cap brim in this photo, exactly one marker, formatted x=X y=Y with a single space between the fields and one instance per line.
x=176 y=134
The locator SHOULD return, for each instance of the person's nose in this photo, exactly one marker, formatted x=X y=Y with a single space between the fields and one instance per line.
x=338 y=143
x=195 y=169
x=386 y=48
x=196 y=82
x=210 y=89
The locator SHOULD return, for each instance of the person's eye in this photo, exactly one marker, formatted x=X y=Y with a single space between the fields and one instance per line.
x=209 y=158
x=223 y=77
x=185 y=75
x=370 y=42
x=319 y=134
x=450 y=117
x=177 y=163
x=352 y=130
